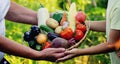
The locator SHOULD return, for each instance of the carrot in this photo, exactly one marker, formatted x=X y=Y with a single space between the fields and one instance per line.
x=64 y=18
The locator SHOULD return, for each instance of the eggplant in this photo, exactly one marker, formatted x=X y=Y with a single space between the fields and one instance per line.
x=52 y=36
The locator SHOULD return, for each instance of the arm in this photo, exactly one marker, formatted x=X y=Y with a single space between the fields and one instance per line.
x=21 y=14
x=99 y=26
x=11 y=47
x=101 y=48
x=104 y=47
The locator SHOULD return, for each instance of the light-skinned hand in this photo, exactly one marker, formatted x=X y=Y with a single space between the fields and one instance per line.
x=69 y=54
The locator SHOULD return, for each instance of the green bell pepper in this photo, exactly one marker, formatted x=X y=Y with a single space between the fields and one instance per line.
x=57 y=16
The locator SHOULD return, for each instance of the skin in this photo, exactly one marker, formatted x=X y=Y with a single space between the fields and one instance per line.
x=98 y=49
x=98 y=26
x=21 y=14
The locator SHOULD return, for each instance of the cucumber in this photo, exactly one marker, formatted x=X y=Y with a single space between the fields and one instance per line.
x=46 y=28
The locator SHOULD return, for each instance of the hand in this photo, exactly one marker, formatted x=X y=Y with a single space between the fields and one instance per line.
x=69 y=54
x=52 y=54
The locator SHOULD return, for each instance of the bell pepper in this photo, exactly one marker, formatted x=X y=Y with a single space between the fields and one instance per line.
x=67 y=33
x=79 y=35
x=46 y=45
x=57 y=16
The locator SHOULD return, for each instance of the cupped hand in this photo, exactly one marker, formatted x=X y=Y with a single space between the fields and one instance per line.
x=52 y=54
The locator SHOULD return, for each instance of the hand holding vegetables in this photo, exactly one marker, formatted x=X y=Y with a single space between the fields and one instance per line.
x=63 y=30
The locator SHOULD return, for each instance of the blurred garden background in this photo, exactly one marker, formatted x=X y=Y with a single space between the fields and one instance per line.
x=94 y=9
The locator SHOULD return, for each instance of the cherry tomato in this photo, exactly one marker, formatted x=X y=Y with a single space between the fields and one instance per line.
x=46 y=45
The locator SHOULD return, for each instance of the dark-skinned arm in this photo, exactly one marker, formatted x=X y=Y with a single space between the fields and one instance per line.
x=12 y=47
x=21 y=14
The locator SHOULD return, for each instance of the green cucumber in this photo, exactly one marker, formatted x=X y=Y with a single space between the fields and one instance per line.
x=46 y=28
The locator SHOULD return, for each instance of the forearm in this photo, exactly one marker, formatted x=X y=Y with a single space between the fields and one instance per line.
x=11 y=47
x=101 y=48
x=21 y=14
x=113 y=44
x=97 y=25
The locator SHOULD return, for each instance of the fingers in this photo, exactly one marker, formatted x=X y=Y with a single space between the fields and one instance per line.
x=65 y=58
x=59 y=55
x=67 y=52
x=68 y=55
x=56 y=56
x=59 y=50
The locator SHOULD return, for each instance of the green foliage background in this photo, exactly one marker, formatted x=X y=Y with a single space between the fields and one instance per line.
x=15 y=30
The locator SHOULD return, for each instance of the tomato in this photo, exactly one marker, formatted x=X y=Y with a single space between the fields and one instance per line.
x=81 y=27
x=79 y=35
x=41 y=38
x=46 y=45
x=67 y=33
x=80 y=16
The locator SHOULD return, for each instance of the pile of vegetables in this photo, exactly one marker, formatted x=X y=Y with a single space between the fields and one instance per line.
x=63 y=30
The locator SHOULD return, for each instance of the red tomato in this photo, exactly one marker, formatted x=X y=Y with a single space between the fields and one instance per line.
x=79 y=35
x=46 y=45
x=81 y=27
x=67 y=33
x=80 y=16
